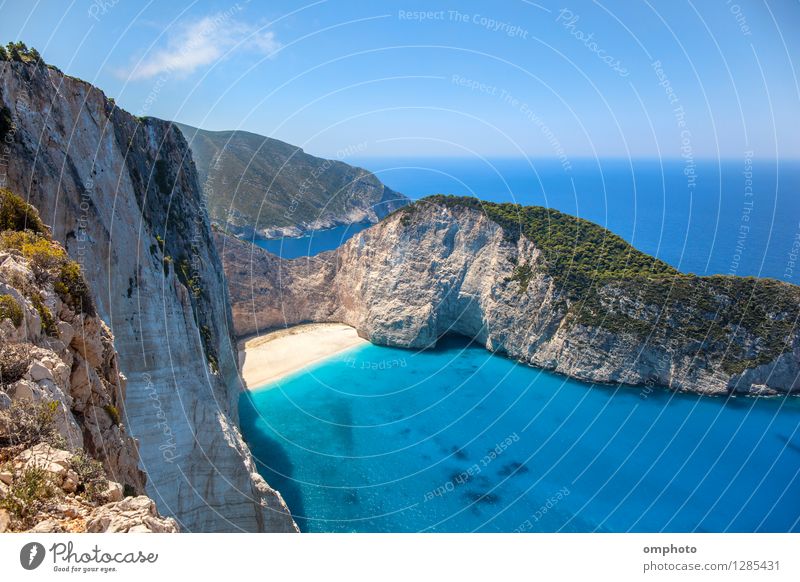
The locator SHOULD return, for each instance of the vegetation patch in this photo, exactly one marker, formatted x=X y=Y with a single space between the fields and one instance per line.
x=92 y=480
x=28 y=424
x=19 y=52
x=522 y=274
x=46 y=317
x=29 y=493
x=113 y=413
x=73 y=289
x=15 y=213
x=10 y=309
x=14 y=362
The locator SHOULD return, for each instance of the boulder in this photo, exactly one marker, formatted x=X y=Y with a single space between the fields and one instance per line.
x=132 y=514
x=114 y=492
x=38 y=371
x=47 y=526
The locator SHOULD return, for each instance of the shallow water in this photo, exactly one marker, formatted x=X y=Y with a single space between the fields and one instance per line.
x=458 y=439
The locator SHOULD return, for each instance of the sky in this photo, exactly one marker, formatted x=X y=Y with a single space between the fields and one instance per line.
x=673 y=78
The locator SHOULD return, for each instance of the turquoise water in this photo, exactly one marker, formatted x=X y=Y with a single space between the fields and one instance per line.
x=457 y=439
x=396 y=440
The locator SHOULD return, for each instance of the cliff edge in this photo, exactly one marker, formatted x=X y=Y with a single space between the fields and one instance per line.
x=121 y=194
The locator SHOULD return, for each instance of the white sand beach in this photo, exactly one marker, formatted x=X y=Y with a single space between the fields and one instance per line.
x=269 y=357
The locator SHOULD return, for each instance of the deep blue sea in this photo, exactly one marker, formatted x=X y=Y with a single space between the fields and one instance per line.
x=457 y=439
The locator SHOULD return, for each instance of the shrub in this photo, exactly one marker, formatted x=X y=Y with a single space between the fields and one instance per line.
x=10 y=309
x=48 y=322
x=91 y=476
x=71 y=286
x=522 y=274
x=14 y=362
x=28 y=494
x=15 y=213
x=167 y=260
x=27 y=424
x=113 y=413
x=44 y=255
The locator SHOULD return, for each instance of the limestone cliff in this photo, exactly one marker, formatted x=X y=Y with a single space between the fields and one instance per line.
x=62 y=396
x=121 y=193
x=544 y=288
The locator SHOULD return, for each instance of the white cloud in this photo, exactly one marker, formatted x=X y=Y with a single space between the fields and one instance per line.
x=202 y=42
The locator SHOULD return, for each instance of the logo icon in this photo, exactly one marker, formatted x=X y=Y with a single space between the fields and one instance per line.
x=31 y=555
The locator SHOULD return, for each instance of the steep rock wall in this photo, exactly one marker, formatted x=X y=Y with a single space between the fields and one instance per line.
x=121 y=194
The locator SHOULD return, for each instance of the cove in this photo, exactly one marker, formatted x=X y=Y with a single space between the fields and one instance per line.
x=457 y=439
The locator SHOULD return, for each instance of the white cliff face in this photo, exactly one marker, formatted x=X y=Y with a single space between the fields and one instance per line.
x=414 y=277
x=122 y=195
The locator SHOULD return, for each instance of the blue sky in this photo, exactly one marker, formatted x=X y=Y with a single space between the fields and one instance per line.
x=610 y=79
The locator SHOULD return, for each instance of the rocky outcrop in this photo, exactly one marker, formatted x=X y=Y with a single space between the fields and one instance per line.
x=62 y=397
x=130 y=515
x=66 y=358
x=121 y=193
x=437 y=268
x=259 y=186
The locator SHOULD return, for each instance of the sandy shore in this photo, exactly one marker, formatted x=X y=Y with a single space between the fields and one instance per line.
x=272 y=356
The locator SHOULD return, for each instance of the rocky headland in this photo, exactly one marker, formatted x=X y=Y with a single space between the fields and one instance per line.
x=539 y=286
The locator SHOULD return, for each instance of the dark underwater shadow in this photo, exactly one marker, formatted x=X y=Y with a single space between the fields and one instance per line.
x=271 y=459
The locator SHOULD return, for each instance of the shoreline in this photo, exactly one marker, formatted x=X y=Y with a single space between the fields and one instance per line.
x=268 y=357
